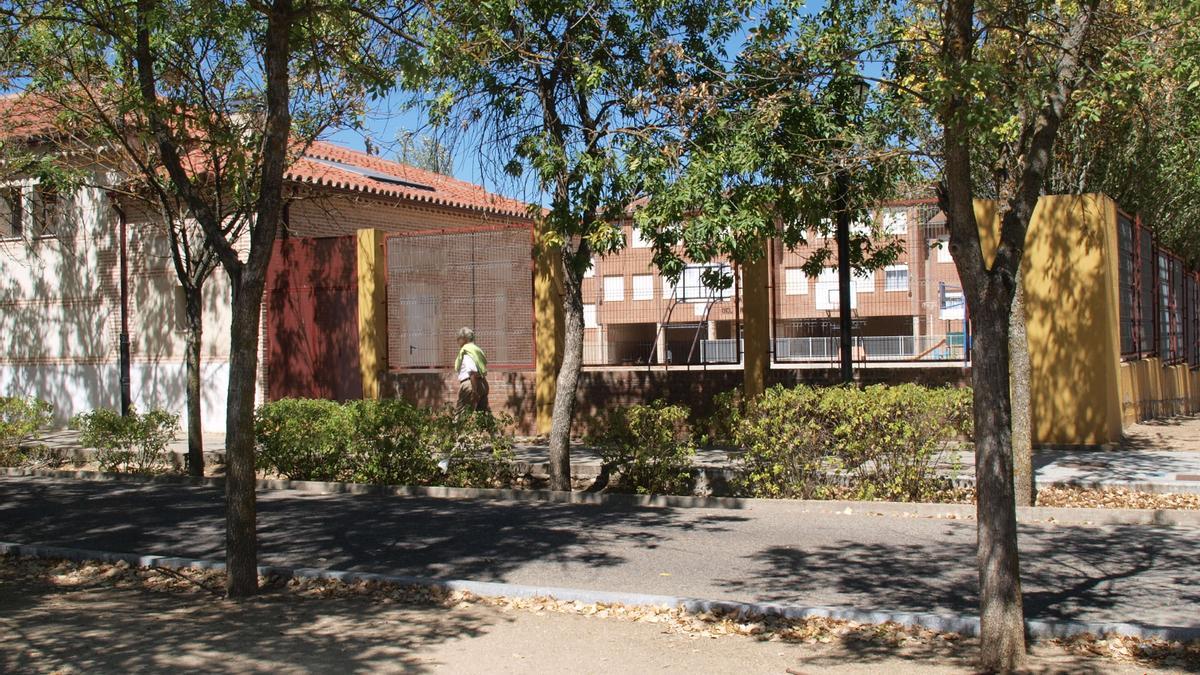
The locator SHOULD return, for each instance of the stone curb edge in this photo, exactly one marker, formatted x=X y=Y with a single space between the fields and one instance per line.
x=963 y=624
x=1061 y=515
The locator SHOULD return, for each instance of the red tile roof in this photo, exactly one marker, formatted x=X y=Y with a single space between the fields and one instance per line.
x=413 y=184
x=32 y=118
x=27 y=117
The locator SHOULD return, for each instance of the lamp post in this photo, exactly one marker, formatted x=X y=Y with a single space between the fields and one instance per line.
x=853 y=93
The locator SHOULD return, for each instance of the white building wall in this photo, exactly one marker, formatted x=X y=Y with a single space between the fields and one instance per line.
x=60 y=317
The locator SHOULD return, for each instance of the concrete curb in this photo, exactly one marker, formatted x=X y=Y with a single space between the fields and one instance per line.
x=1060 y=515
x=949 y=623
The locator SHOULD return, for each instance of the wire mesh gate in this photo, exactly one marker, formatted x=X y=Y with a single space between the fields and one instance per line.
x=440 y=281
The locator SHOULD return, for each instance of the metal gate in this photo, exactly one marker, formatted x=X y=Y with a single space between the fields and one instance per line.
x=312 y=320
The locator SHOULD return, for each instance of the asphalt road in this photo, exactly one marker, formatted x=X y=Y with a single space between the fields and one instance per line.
x=1138 y=574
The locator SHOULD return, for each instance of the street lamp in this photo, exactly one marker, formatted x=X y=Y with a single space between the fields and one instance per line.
x=853 y=94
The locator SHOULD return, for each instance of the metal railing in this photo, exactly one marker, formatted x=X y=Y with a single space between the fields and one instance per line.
x=721 y=351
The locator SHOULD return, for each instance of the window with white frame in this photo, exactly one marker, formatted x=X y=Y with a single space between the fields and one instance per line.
x=863 y=281
x=694 y=287
x=614 y=288
x=795 y=281
x=671 y=289
x=895 y=278
x=863 y=225
x=643 y=287
x=591 y=270
x=895 y=223
x=589 y=317
x=943 y=254
x=638 y=240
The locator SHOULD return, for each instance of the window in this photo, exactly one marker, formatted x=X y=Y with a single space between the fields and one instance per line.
x=643 y=287
x=895 y=223
x=895 y=278
x=862 y=281
x=614 y=288
x=795 y=281
x=863 y=225
x=671 y=289
x=11 y=213
x=589 y=317
x=943 y=252
x=638 y=241
x=47 y=212
x=591 y=270
x=694 y=288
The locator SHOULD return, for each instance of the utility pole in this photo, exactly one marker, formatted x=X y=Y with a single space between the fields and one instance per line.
x=843 y=258
x=852 y=94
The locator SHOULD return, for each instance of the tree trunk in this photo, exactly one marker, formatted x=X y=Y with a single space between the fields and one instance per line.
x=195 y=332
x=241 y=545
x=568 y=380
x=1001 y=616
x=1022 y=435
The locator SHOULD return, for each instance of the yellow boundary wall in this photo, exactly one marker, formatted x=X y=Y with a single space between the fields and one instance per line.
x=372 y=311
x=1150 y=390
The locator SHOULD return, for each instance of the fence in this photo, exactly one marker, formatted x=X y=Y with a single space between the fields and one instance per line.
x=1159 y=301
x=438 y=282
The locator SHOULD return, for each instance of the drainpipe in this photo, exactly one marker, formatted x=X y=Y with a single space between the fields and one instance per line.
x=123 y=340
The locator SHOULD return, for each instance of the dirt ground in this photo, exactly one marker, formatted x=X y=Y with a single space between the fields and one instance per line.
x=1174 y=434
x=58 y=617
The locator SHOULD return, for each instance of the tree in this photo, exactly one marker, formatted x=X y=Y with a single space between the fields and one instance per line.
x=1134 y=132
x=774 y=145
x=972 y=59
x=228 y=95
x=557 y=91
x=425 y=152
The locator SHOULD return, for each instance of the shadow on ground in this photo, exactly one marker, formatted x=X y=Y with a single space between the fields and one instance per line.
x=48 y=629
x=413 y=536
x=1067 y=573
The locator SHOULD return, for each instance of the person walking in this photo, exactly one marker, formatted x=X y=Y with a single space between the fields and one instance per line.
x=471 y=366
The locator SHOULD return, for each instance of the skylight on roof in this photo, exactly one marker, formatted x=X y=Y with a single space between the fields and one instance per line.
x=374 y=175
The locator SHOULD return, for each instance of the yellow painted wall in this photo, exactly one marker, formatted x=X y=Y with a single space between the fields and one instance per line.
x=548 y=331
x=1070 y=275
x=756 y=324
x=372 y=311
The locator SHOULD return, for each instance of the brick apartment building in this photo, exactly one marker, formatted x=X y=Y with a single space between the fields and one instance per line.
x=912 y=310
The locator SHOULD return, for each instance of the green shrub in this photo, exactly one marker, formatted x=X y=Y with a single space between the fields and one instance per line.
x=387 y=442
x=137 y=442
x=720 y=428
x=20 y=418
x=387 y=445
x=471 y=449
x=889 y=439
x=650 y=446
x=786 y=443
x=884 y=442
x=304 y=439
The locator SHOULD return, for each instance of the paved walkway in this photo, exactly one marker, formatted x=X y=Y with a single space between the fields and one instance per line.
x=125 y=631
x=768 y=552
